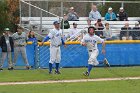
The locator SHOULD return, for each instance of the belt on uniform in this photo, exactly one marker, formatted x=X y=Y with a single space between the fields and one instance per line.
x=56 y=45
x=91 y=50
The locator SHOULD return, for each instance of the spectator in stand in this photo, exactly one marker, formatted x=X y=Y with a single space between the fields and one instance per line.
x=126 y=33
x=136 y=32
x=99 y=26
x=107 y=33
x=73 y=31
x=72 y=15
x=65 y=22
x=110 y=16
x=94 y=15
x=122 y=15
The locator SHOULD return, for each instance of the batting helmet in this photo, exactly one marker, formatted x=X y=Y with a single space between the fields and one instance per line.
x=91 y=27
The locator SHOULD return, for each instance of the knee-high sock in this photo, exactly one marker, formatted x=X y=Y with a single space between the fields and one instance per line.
x=89 y=67
x=57 y=66
x=101 y=62
x=50 y=67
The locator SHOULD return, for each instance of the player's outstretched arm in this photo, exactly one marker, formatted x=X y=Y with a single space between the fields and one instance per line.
x=45 y=39
x=63 y=43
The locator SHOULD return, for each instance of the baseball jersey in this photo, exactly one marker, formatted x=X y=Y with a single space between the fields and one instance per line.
x=19 y=39
x=91 y=41
x=55 y=37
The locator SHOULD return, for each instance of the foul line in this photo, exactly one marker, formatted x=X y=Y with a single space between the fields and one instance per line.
x=69 y=81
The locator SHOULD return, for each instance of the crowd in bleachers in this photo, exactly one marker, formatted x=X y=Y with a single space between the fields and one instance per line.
x=104 y=30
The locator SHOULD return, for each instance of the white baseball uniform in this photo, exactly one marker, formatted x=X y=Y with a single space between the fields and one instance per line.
x=91 y=43
x=55 y=42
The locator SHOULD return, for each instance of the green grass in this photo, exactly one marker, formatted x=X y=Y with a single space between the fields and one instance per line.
x=123 y=86
x=67 y=73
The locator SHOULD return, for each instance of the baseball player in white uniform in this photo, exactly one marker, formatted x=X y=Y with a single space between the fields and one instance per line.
x=20 y=46
x=56 y=40
x=90 y=40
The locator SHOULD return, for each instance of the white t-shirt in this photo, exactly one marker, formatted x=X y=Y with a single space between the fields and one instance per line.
x=74 y=33
x=55 y=37
x=91 y=41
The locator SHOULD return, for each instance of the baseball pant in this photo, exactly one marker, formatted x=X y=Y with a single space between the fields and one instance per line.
x=22 y=50
x=93 y=57
x=55 y=54
x=4 y=56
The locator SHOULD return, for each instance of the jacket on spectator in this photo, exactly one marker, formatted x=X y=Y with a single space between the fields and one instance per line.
x=4 y=45
x=72 y=16
x=124 y=33
x=99 y=26
x=136 y=33
x=108 y=16
x=66 y=24
x=94 y=16
x=123 y=16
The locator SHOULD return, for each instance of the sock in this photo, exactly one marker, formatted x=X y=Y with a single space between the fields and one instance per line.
x=57 y=66
x=89 y=67
x=101 y=62
x=50 y=67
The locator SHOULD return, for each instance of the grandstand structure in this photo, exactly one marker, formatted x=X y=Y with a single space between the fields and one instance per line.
x=41 y=21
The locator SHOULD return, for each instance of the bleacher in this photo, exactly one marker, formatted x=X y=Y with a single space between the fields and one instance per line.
x=82 y=23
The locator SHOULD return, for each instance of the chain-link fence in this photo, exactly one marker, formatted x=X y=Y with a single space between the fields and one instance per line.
x=39 y=16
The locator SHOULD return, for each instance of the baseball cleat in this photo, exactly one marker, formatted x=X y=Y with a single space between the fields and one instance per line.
x=57 y=72
x=27 y=67
x=1 y=69
x=106 y=63
x=50 y=72
x=86 y=73
x=10 y=68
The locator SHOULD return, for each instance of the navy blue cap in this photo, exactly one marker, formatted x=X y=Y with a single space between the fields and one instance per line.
x=56 y=22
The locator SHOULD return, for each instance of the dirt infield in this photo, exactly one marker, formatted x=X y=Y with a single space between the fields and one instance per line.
x=68 y=81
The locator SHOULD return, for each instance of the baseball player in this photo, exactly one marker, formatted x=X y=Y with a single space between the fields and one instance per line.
x=56 y=40
x=90 y=40
x=7 y=46
x=20 y=46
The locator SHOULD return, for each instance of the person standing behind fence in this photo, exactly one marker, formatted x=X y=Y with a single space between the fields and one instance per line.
x=20 y=39
x=31 y=37
x=94 y=15
x=7 y=46
x=110 y=16
x=56 y=40
x=72 y=15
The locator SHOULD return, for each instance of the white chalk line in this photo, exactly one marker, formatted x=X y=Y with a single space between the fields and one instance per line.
x=69 y=81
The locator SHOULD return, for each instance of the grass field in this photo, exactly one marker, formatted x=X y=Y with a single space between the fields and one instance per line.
x=120 y=86
x=86 y=87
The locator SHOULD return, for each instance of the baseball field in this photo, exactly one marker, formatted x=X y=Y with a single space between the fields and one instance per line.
x=71 y=80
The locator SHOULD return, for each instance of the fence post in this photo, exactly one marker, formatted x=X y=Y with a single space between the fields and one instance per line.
x=37 y=56
x=40 y=20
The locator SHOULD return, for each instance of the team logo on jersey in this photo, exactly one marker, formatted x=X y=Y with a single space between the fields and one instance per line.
x=58 y=34
x=90 y=41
